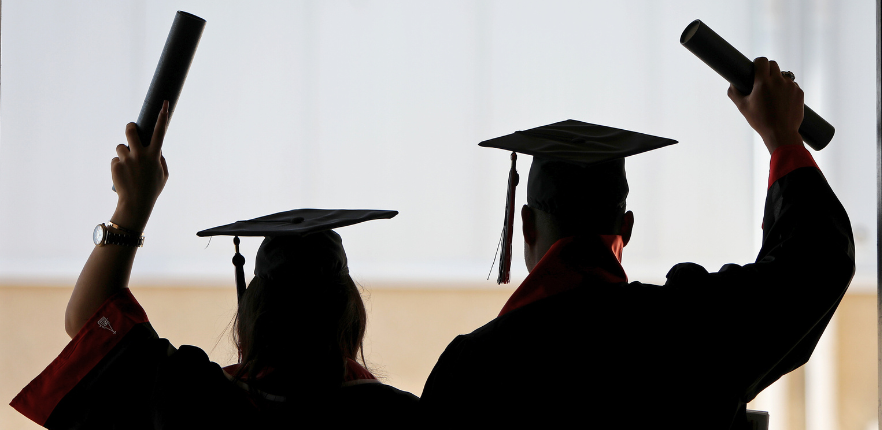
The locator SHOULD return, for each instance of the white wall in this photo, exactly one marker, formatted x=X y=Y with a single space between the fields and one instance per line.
x=381 y=104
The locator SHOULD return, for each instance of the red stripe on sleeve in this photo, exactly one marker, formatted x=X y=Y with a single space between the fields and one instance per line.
x=97 y=338
x=788 y=158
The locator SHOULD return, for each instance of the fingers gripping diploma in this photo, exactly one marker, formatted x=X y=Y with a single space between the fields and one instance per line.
x=139 y=174
x=775 y=106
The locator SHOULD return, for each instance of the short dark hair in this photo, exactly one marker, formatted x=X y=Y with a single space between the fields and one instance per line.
x=599 y=220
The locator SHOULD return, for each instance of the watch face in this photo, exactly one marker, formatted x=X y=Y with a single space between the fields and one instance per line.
x=98 y=234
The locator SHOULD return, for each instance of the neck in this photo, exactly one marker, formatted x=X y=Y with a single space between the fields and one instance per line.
x=534 y=254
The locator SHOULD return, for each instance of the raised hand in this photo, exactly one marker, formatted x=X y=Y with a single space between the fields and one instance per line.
x=775 y=106
x=139 y=174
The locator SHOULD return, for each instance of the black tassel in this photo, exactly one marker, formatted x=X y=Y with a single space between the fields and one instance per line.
x=239 y=262
x=508 y=229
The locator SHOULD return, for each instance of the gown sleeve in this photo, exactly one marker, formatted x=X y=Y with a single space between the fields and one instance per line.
x=106 y=376
x=763 y=320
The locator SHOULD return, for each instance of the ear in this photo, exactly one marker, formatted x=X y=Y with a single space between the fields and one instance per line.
x=627 y=226
x=529 y=221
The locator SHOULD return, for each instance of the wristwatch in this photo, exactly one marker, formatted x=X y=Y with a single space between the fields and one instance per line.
x=103 y=236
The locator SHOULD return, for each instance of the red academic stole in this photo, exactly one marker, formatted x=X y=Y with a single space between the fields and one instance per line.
x=570 y=262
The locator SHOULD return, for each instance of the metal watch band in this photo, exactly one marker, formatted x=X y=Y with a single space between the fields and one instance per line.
x=123 y=239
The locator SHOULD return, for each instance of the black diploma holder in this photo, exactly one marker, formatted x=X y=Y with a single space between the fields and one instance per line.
x=734 y=67
x=171 y=72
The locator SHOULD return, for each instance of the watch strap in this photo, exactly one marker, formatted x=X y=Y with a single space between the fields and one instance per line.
x=122 y=229
x=123 y=239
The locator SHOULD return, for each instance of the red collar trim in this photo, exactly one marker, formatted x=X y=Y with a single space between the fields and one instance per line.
x=570 y=262
x=355 y=371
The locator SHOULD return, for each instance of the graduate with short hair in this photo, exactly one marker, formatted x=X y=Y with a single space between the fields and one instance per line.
x=578 y=345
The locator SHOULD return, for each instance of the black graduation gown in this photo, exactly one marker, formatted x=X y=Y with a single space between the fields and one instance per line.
x=116 y=373
x=688 y=354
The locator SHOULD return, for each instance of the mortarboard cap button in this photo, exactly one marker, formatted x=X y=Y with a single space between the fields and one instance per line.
x=297 y=220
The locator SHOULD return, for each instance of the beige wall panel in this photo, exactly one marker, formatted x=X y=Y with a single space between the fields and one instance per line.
x=856 y=357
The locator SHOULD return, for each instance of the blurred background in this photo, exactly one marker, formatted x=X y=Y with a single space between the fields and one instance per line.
x=381 y=104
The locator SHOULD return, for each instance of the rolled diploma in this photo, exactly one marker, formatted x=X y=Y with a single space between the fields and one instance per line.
x=734 y=67
x=171 y=72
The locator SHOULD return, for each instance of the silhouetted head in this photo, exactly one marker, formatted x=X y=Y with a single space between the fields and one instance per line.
x=301 y=316
x=577 y=183
x=571 y=199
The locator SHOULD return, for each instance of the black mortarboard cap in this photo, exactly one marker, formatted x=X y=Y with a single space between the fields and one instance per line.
x=297 y=244
x=576 y=166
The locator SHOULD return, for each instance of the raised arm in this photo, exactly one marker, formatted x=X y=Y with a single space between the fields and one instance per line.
x=139 y=175
x=762 y=320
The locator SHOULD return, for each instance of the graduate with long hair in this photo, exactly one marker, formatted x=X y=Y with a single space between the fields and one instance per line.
x=299 y=329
